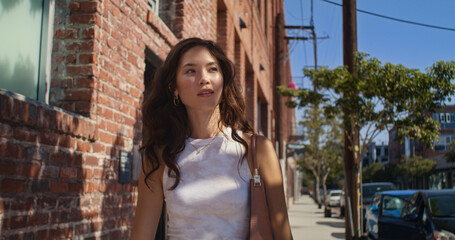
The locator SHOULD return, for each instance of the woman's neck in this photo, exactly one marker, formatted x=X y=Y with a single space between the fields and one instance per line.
x=205 y=124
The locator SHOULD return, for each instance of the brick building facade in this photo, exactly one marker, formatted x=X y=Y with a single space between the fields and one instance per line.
x=63 y=142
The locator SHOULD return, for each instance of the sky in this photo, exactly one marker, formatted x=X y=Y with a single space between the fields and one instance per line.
x=391 y=41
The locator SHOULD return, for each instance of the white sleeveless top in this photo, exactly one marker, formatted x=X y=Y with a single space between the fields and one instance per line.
x=211 y=201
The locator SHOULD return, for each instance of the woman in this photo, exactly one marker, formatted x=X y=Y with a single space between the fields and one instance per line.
x=196 y=140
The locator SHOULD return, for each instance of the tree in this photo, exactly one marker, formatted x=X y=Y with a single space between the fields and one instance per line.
x=450 y=155
x=323 y=149
x=376 y=98
x=377 y=172
x=413 y=167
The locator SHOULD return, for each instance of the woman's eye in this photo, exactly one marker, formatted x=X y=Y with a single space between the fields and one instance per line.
x=190 y=71
x=213 y=69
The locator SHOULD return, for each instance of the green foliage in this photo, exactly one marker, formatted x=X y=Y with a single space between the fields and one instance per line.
x=380 y=96
x=323 y=150
x=369 y=173
x=377 y=172
x=414 y=167
x=450 y=155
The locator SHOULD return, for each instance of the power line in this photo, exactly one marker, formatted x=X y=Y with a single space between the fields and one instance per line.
x=396 y=19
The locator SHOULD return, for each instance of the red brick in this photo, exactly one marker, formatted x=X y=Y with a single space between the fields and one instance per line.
x=81 y=46
x=98 y=147
x=2 y=206
x=84 y=83
x=98 y=174
x=76 y=159
x=76 y=188
x=89 y=33
x=87 y=70
x=39 y=219
x=5 y=130
x=43 y=234
x=13 y=186
x=82 y=228
x=9 y=150
x=66 y=141
x=91 y=161
x=105 y=137
x=74 y=6
x=66 y=34
x=78 y=94
x=48 y=138
x=59 y=187
x=82 y=107
x=51 y=172
x=7 y=168
x=88 y=58
x=22 y=204
x=83 y=146
x=90 y=187
x=20 y=110
x=29 y=170
x=90 y=7
x=15 y=222
x=46 y=203
x=71 y=59
x=68 y=173
x=62 y=233
x=96 y=226
x=59 y=157
x=83 y=18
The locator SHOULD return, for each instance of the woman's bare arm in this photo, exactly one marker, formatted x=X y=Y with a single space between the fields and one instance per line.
x=269 y=169
x=149 y=205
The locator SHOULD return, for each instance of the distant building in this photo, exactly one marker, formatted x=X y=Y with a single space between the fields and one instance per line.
x=375 y=153
x=444 y=176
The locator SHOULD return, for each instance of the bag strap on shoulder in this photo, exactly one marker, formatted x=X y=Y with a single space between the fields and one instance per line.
x=256 y=176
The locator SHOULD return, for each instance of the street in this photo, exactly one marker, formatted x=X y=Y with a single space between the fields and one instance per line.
x=308 y=222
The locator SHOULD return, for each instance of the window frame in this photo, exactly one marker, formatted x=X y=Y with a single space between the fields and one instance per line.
x=45 y=62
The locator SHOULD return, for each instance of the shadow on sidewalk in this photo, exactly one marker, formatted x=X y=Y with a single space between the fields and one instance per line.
x=332 y=224
x=338 y=235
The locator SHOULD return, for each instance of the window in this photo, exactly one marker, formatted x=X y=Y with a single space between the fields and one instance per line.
x=444 y=142
x=154 y=5
x=448 y=117
x=26 y=47
x=391 y=206
x=442 y=117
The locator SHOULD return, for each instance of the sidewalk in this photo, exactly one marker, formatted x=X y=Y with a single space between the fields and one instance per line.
x=308 y=222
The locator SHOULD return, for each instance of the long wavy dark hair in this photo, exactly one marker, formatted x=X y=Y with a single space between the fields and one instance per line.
x=166 y=125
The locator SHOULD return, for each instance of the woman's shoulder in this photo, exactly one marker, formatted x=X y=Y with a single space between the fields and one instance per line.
x=261 y=141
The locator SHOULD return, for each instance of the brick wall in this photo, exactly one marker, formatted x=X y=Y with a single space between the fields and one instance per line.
x=59 y=161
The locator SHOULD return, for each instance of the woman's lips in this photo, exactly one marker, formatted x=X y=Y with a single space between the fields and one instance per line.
x=205 y=93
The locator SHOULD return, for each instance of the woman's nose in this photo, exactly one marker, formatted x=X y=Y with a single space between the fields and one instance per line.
x=204 y=78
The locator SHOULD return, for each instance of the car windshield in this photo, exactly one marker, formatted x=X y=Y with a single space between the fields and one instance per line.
x=334 y=194
x=369 y=191
x=442 y=206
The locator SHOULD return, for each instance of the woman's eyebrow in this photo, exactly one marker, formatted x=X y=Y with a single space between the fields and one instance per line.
x=193 y=64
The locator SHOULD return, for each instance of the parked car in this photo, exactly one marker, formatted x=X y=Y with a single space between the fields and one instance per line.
x=334 y=198
x=387 y=204
x=369 y=189
x=428 y=214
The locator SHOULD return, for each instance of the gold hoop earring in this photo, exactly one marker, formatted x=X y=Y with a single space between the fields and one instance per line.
x=176 y=100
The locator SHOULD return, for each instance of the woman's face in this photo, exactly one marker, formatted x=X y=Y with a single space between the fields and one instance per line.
x=199 y=80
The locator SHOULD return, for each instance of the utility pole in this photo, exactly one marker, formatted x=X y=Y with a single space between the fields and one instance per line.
x=351 y=139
